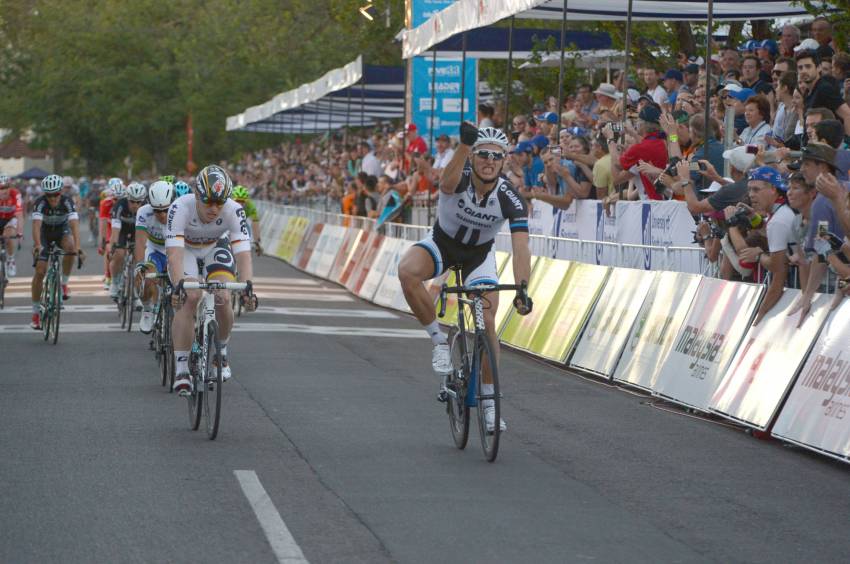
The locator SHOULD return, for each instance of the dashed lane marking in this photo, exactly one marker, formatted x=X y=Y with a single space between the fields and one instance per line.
x=281 y=540
x=294 y=311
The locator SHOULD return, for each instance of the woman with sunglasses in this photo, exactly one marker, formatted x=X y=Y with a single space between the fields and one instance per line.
x=54 y=220
x=475 y=200
x=149 y=252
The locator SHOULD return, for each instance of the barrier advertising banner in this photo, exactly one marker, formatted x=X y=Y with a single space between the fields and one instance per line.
x=611 y=321
x=767 y=362
x=294 y=237
x=719 y=316
x=335 y=236
x=284 y=235
x=377 y=268
x=305 y=251
x=541 y=218
x=556 y=336
x=547 y=282
x=355 y=264
x=353 y=240
x=817 y=412
x=655 y=329
x=364 y=263
x=389 y=293
x=272 y=230
x=319 y=250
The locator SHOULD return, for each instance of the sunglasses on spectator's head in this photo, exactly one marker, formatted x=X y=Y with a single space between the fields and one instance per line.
x=490 y=155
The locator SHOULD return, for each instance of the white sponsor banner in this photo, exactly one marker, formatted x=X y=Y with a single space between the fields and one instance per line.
x=767 y=361
x=272 y=238
x=817 y=412
x=719 y=316
x=378 y=268
x=334 y=237
x=654 y=332
x=321 y=244
x=612 y=318
x=389 y=293
x=541 y=218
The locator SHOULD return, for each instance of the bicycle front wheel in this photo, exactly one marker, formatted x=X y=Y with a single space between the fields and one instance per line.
x=46 y=308
x=3 y=282
x=57 y=306
x=457 y=385
x=212 y=382
x=129 y=306
x=195 y=401
x=485 y=357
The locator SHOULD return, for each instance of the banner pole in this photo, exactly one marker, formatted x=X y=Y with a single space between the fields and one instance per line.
x=431 y=126
x=507 y=124
x=561 y=69
x=463 y=79
x=626 y=62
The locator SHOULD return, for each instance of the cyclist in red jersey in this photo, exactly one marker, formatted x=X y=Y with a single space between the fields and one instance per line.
x=111 y=193
x=11 y=220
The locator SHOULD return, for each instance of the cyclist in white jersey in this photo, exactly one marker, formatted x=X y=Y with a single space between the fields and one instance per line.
x=195 y=224
x=474 y=202
x=149 y=253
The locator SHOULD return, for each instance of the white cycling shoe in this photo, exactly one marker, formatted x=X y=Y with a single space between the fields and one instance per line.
x=11 y=268
x=146 y=322
x=490 y=419
x=441 y=359
x=225 y=369
x=114 y=288
x=183 y=384
x=137 y=304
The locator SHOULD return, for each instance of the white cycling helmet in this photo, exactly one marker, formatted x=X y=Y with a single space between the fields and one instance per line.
x=491 y=136
x=51 y=184
x=161 y=194
x=136 y=192
x=117 y=186
x=5 y=181
x=67 y=181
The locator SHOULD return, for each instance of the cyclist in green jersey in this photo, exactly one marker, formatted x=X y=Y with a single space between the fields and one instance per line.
x=243 y=198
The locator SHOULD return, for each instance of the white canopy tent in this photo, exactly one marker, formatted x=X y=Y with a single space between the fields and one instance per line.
x=465 y=15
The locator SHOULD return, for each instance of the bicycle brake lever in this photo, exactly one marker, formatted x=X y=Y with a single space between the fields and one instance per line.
x=442 y=304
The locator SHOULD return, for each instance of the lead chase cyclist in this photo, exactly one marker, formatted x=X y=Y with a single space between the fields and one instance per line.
x=474 y=202
x=195 y=224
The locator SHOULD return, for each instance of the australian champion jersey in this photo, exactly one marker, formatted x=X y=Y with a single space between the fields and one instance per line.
x=184 y=227
x=468 y=220
x=146 y=221
x=56 y=217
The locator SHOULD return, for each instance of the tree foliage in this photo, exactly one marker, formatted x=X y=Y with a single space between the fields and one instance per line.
x=104 y=79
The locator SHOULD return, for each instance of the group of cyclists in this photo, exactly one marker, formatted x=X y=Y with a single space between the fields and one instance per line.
x=190 y=233
x=205 y=231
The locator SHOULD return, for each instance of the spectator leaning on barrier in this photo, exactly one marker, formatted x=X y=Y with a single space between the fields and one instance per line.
x=818 y=167
x=767 y=190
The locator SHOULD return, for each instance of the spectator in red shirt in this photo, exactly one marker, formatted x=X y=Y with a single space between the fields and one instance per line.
x=415 y=143
x=652 y=148
x=11 y=220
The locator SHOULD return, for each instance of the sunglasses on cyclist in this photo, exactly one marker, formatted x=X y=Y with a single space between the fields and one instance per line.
x=53 y=195
x=490 y=155
x=160 y=210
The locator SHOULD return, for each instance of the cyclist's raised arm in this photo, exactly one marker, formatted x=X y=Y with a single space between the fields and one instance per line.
x=454 y=170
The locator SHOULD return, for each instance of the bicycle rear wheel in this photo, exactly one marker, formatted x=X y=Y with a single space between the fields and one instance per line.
x=484 y=355
x=57 y=306
x=46 y=308
x=457 y=382
x=212 y=383
x=166 y=366
x=122 y=309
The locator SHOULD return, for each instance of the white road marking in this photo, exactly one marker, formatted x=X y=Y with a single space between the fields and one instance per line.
x=317 y=295
x=294 y=311
x=283 y=544
x=385 y=332
x=264 y=279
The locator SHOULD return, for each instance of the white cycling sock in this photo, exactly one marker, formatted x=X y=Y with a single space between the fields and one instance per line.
x=436 y=334
x=36 y=308
x=181 y=361
x=65 y=278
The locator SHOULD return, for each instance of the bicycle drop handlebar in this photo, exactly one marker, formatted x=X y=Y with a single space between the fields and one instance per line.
x=477 y=289
x=215 y=285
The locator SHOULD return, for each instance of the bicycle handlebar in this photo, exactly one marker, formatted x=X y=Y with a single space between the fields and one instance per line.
x=477 y=289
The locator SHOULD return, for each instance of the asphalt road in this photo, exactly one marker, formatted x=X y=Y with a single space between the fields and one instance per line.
x=332 y=406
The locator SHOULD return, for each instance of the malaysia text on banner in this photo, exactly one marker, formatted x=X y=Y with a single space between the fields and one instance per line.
x=654 y=332
x=767 y=362
x=389 y=293
x=719 y=316
x=611 y=321
x=817 y=412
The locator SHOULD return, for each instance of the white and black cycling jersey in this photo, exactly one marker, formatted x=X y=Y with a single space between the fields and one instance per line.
x=466 y=219
x=54 y=217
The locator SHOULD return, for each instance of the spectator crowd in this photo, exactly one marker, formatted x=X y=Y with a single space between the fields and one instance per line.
x=766 y=174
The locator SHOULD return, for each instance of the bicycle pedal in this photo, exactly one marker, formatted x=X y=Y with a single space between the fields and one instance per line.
x=443 y=396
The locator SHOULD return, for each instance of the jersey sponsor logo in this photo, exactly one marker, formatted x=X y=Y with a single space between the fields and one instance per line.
x=512 y=197
x=476 y=214
x=172 y=211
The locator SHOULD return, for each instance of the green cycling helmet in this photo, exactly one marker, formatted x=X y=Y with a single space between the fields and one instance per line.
x=240 y=193
x=170 y=178
x=181 y=188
